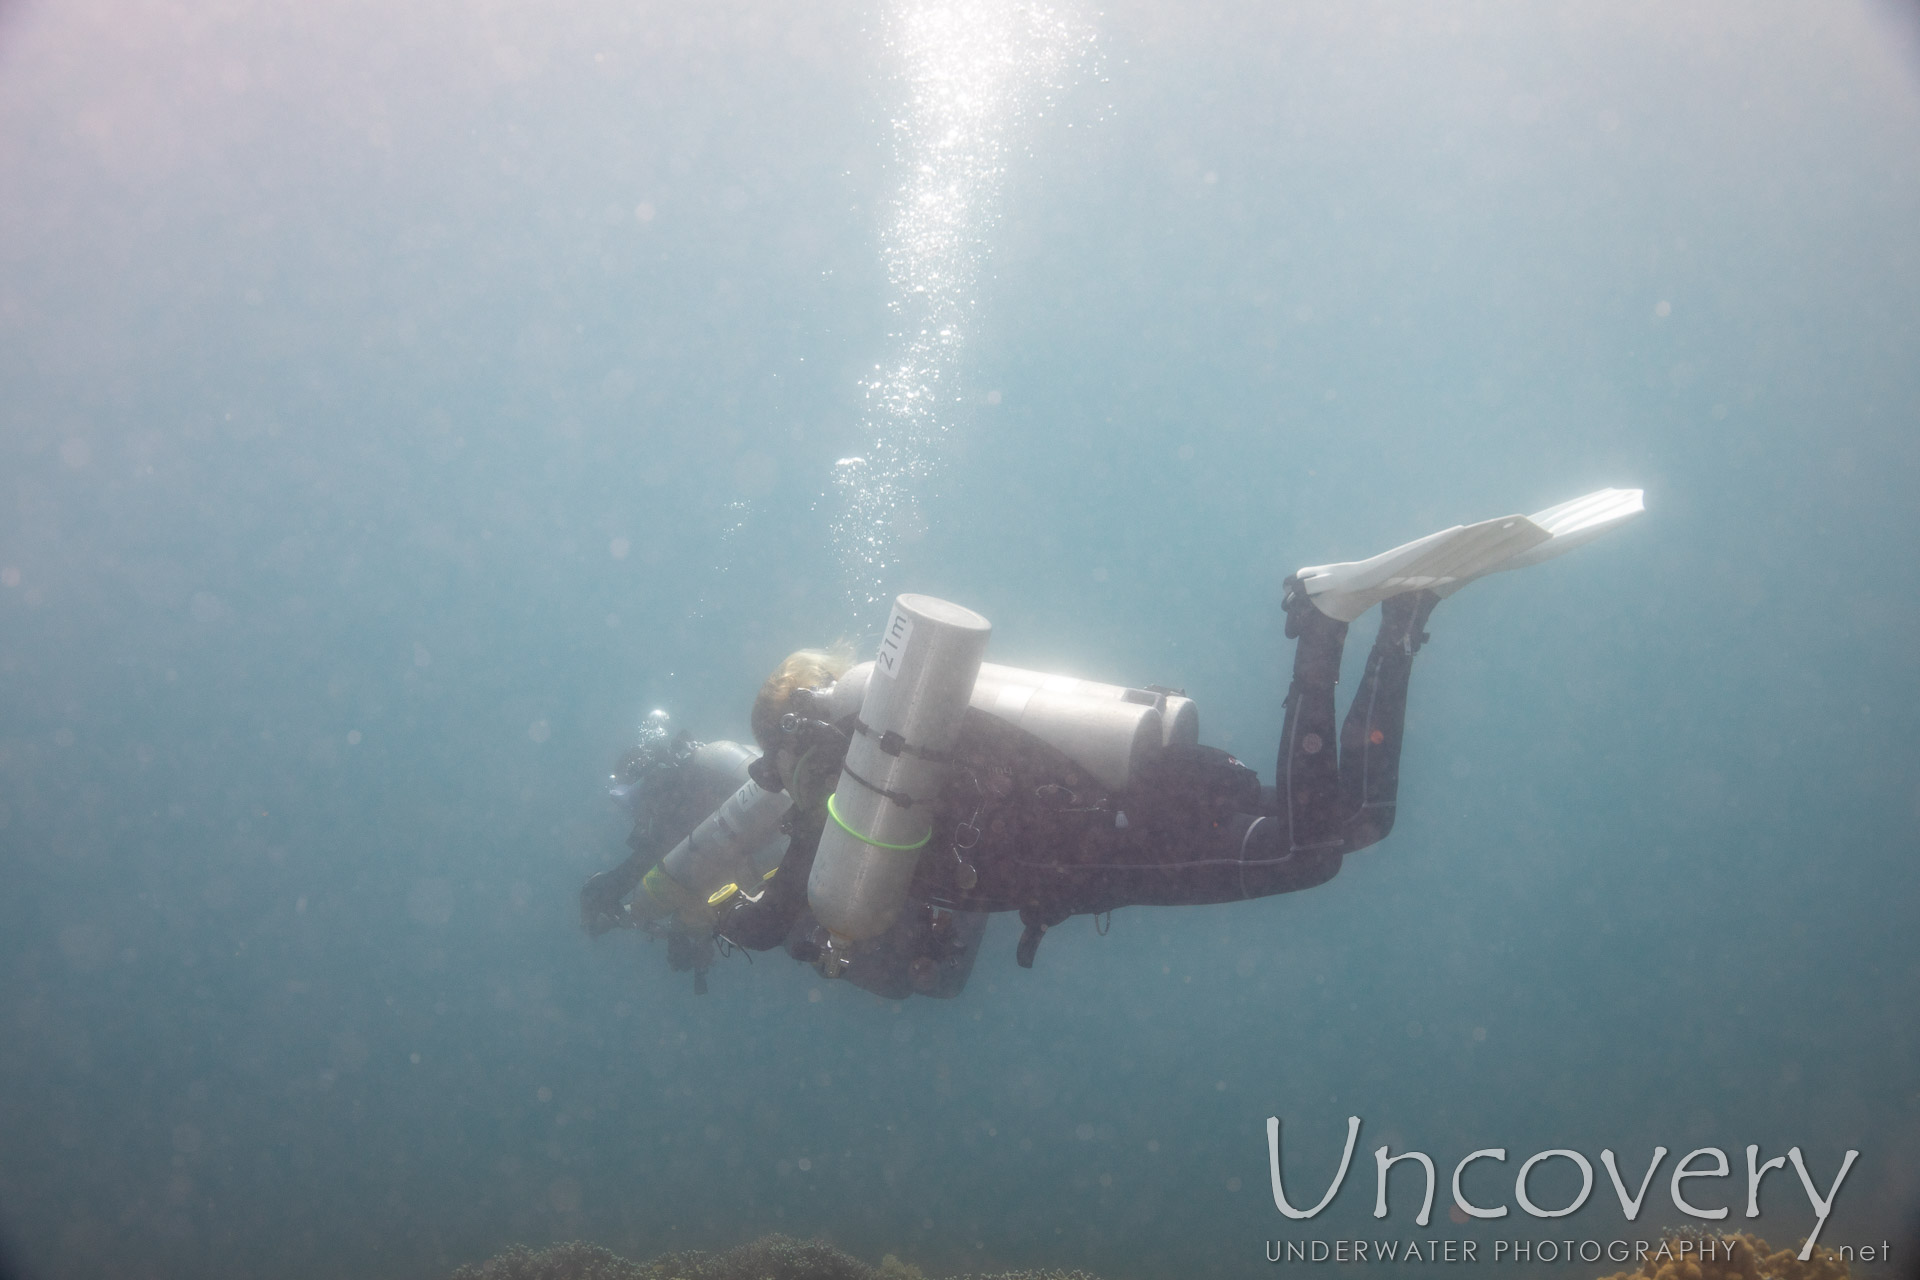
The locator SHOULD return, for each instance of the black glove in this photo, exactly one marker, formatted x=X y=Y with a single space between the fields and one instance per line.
x=601 y=908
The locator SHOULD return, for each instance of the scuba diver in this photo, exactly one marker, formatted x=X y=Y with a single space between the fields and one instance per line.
x=896 y=804
x=667 y=783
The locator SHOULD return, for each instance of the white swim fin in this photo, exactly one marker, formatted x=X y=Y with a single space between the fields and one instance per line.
x=1446 y=561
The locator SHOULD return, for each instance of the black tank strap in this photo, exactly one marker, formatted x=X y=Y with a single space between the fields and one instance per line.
x=900 y=798
x=895 y=745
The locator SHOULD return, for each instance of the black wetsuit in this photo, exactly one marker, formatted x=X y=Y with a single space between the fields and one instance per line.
x=1043 y=838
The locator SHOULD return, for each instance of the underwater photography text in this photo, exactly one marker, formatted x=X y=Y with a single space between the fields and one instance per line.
x=1701 y=1163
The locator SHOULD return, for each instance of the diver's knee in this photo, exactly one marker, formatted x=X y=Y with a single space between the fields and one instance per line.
x=1370 y=826
x=1318 y=869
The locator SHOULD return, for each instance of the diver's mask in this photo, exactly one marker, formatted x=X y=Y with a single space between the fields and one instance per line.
x=811 y=704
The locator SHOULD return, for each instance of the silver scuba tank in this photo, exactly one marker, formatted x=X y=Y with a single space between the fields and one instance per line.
x=1109 y=730
x=735 y=845
x=881 y=814
x=698 y=774
x=722 y=850
x=1179 y=716
x=721 y=766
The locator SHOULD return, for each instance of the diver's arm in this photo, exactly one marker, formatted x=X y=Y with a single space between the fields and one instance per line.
x=604 y=892
x=765 y=924
x=673 y=801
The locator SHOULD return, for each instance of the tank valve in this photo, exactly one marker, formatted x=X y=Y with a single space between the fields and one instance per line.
x=834 y=957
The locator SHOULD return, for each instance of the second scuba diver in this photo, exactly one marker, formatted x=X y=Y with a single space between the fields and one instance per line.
x=895 y=805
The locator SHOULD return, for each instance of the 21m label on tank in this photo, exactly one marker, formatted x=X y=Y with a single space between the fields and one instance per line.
x=894 y=643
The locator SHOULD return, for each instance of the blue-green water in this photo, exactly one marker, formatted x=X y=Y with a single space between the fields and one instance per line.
x=395 y=406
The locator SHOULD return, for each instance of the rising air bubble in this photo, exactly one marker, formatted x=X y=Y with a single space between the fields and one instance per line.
x=973 y=74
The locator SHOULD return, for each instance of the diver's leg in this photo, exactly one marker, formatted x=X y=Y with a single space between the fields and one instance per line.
x=1265 y=865
x=1307 y=775
x=1370 y=738
x=1237 y=856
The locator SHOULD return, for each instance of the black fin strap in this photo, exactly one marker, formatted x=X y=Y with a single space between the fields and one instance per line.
x=1037 y=921
x=1029 y=943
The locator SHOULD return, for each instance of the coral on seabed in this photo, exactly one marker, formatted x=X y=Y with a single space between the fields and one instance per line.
x=571 y=1261
x=1750 y=1258
x=772 y=1258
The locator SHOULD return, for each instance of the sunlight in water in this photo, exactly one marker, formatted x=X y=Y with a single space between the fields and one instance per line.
x=973 y=73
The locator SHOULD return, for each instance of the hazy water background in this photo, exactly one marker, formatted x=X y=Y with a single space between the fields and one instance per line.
x=342 y=349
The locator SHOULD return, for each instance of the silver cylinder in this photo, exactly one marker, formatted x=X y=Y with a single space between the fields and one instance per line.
x=1110 y=730
x=720 y=851
x=914 y=701
x=1111 y=740
x=735 y=844
x=723 y=759
x=721 y=767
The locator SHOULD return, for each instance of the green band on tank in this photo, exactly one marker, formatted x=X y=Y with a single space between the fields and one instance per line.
x=878 y=844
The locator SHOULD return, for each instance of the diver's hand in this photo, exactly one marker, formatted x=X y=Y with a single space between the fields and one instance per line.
x=600 y=905
x=815 y=774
